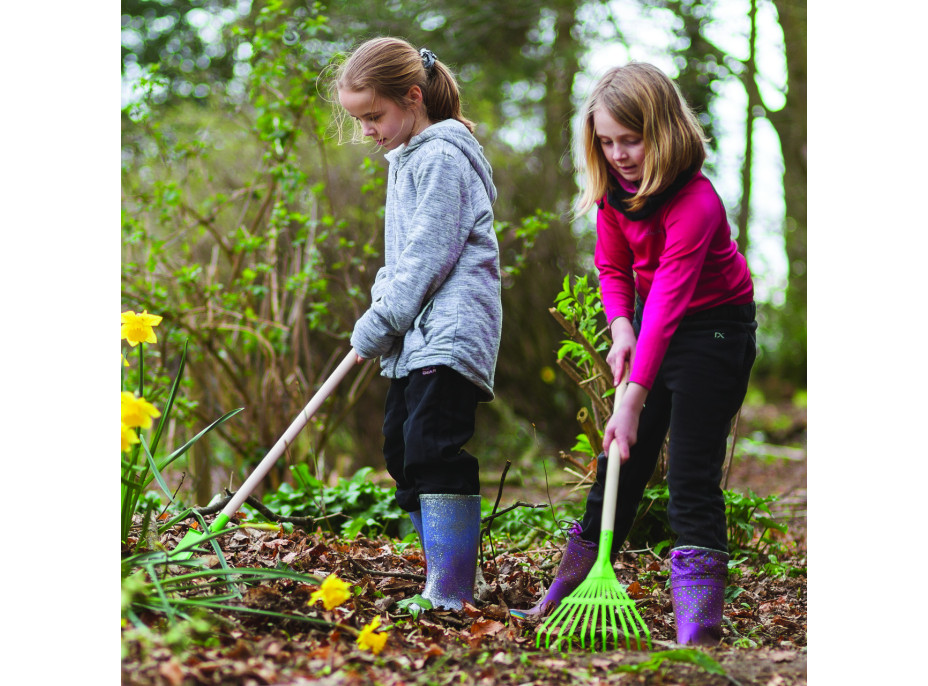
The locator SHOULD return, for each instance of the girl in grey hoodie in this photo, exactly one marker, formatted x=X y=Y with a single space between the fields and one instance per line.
x=435 y=319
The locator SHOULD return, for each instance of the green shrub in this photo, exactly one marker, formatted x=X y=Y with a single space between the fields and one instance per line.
x=359 y=506
x=351 y=507
x=750 y=523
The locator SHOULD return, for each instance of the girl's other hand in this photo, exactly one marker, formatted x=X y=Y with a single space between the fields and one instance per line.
x=622 y=353
x=622 y=426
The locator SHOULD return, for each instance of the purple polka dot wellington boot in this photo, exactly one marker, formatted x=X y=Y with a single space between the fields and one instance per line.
x=576 y=562
x=697 y=578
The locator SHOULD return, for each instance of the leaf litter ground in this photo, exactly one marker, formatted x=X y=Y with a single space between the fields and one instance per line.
x=764 y=641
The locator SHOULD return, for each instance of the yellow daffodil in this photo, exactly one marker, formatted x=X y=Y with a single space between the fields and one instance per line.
x=137 y=412
x=129 y=437
x=332 y=592
x=370 y=639
x=139 y=328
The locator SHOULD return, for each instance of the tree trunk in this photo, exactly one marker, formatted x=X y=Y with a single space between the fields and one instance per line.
x=754 y=100
x=790 y=125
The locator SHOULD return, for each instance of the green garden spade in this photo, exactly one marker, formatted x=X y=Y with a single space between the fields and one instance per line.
x=193 y=537
x=599 y=614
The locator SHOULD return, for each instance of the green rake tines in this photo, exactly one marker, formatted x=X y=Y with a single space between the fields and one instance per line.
x=599 y=614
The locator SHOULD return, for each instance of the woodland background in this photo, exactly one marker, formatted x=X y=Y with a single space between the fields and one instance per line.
x=257 y=236
x=65 y=110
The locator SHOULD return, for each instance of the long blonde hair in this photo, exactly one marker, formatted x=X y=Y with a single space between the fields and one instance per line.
x=390 y=67
x=642 y=98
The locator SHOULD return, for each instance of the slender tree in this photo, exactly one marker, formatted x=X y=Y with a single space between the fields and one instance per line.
x=749 y=79
x=790 y=125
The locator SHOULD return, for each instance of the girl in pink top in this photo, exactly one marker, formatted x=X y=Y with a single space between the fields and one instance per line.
x=678 y=298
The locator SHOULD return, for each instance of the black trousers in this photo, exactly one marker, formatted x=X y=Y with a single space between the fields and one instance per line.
x=428 y=418
x=698 y=390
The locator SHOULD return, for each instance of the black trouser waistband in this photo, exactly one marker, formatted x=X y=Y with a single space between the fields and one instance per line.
x=745 y=314
x=736 y=313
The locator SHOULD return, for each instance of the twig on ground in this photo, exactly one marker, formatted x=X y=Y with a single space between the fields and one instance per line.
x=519 y=503
x=412 y=576
x=734 y=440
x=183 y=475
x=265 y=512
x=489 y=520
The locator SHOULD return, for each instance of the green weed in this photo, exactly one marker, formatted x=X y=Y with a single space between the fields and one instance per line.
x=184 y=600
x=750 y=523
x=353 y=506
x=750 y=526
x=687 y=655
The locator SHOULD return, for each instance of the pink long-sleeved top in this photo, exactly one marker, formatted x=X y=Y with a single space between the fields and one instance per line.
x=682 y=259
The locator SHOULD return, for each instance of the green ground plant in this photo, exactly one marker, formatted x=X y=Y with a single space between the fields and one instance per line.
x=149 y=586
x=350 y=507
x=752 y=528
x=357 y=506
x=656 y=661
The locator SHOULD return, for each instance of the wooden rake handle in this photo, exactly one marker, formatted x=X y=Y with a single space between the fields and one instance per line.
x=612 y=469
x=241 y=495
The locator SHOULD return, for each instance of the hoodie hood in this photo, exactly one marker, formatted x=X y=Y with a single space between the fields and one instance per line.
x=455 y=133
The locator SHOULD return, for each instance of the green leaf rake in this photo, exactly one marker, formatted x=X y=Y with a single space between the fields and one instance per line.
x=599 y=614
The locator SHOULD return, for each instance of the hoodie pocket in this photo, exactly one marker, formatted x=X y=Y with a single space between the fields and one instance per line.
x=418 y=336
x=422 y=320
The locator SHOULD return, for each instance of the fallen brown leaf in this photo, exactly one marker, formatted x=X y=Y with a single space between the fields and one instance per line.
x=472 y=611
x=635 y=591
x=240 y=651
x=172 y=671
x=486 y=627
x=320 y=653
x=782 y=621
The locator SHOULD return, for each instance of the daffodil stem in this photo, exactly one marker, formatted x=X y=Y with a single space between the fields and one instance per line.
x=347 y=629
x=141 y=371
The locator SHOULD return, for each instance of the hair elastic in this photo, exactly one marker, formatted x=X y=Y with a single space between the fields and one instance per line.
x=428 y=58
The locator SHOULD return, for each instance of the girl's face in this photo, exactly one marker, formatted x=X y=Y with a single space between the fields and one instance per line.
x=622 y=147
x=388 y=124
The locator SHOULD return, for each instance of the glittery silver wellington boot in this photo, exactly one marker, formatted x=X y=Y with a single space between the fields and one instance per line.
x=697 y=579
x=450 y=538
x=416 y=518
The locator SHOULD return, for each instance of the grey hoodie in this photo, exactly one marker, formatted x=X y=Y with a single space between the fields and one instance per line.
x=436 y=300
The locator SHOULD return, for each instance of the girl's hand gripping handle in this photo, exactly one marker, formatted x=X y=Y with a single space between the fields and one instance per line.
x=612 y=468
